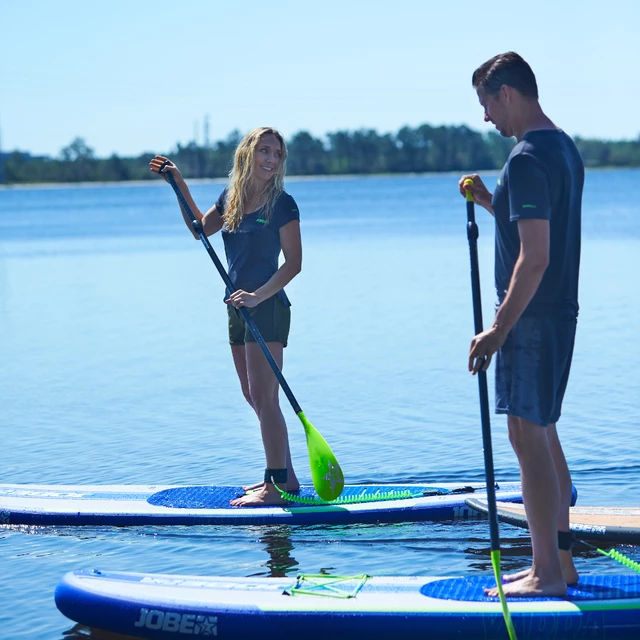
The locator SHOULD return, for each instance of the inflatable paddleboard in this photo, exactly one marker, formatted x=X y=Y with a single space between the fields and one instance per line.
x=190 y=505
x=605 y=524
x=320 y=607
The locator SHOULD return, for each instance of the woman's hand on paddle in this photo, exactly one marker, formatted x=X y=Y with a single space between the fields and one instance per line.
x=483 y=346
x=481 y=195
x=168 y=167
x=242 y=298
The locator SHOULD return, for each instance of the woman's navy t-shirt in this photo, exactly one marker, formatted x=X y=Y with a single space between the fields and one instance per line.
x=253 y=249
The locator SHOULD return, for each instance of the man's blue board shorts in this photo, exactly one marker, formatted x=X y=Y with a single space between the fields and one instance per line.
x=532 y=367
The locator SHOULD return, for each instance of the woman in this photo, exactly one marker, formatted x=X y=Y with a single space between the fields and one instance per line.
x=258 y=219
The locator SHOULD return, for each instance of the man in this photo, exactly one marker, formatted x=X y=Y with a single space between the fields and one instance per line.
x=537 y=208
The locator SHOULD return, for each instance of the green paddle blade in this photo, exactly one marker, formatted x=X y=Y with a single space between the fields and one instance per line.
x=326 y=473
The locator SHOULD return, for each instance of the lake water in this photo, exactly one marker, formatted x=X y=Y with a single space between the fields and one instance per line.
x=115 y=369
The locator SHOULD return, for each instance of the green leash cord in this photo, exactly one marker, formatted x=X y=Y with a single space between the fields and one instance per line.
x=621 y=558
x=362 y=497
x=613 y=554
x=378 y=496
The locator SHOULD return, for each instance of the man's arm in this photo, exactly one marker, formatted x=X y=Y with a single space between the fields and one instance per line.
x=525 y=280
x=527 y=274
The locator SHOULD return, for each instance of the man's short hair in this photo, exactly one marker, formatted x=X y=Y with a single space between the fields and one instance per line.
x=505 y=69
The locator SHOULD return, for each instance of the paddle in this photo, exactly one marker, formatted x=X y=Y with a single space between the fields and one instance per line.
x=326 y=473
x=472 y=235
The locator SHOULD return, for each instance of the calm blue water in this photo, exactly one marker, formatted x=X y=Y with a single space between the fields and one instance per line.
x=115 y=368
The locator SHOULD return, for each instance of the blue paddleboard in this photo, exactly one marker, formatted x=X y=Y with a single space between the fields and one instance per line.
x=190 y=505
x=320 y=607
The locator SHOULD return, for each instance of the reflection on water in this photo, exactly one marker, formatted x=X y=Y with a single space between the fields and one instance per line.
x=278 y=545
x=80 y=632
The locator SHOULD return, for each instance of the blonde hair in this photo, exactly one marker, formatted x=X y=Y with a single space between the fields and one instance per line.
x=241 y=174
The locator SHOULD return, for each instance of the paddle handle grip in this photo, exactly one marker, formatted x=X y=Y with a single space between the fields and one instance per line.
x=468 y=194
x=197 y=227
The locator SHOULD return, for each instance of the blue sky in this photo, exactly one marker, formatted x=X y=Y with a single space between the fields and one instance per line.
x=139 y=76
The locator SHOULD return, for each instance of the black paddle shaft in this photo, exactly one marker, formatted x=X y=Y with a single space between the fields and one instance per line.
x=197 y=227
x=472 y=235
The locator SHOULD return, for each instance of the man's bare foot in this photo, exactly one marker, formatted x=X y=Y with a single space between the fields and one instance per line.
x=292 y=486
x=514 y=577
x=569 y=572
x=267 y=496
x=530 y=586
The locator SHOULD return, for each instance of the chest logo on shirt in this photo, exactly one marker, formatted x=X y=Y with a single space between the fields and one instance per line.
x=261 y=220
x=529 y=206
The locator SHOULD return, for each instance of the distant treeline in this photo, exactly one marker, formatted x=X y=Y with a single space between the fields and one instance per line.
x=410 y=150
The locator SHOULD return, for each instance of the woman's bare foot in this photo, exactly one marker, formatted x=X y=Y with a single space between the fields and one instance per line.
x=291 y=486
x=530 y=586
x=268 y=495
x=569 y=572
x=253 y=487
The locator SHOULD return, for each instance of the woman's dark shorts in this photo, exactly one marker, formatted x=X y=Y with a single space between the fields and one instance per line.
x=271 y=317
x=532 y=368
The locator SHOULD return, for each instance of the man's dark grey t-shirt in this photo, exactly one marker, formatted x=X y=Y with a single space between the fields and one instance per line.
x=543 y=179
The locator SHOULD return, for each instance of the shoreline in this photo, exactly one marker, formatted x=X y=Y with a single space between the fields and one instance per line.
x=292 y=178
